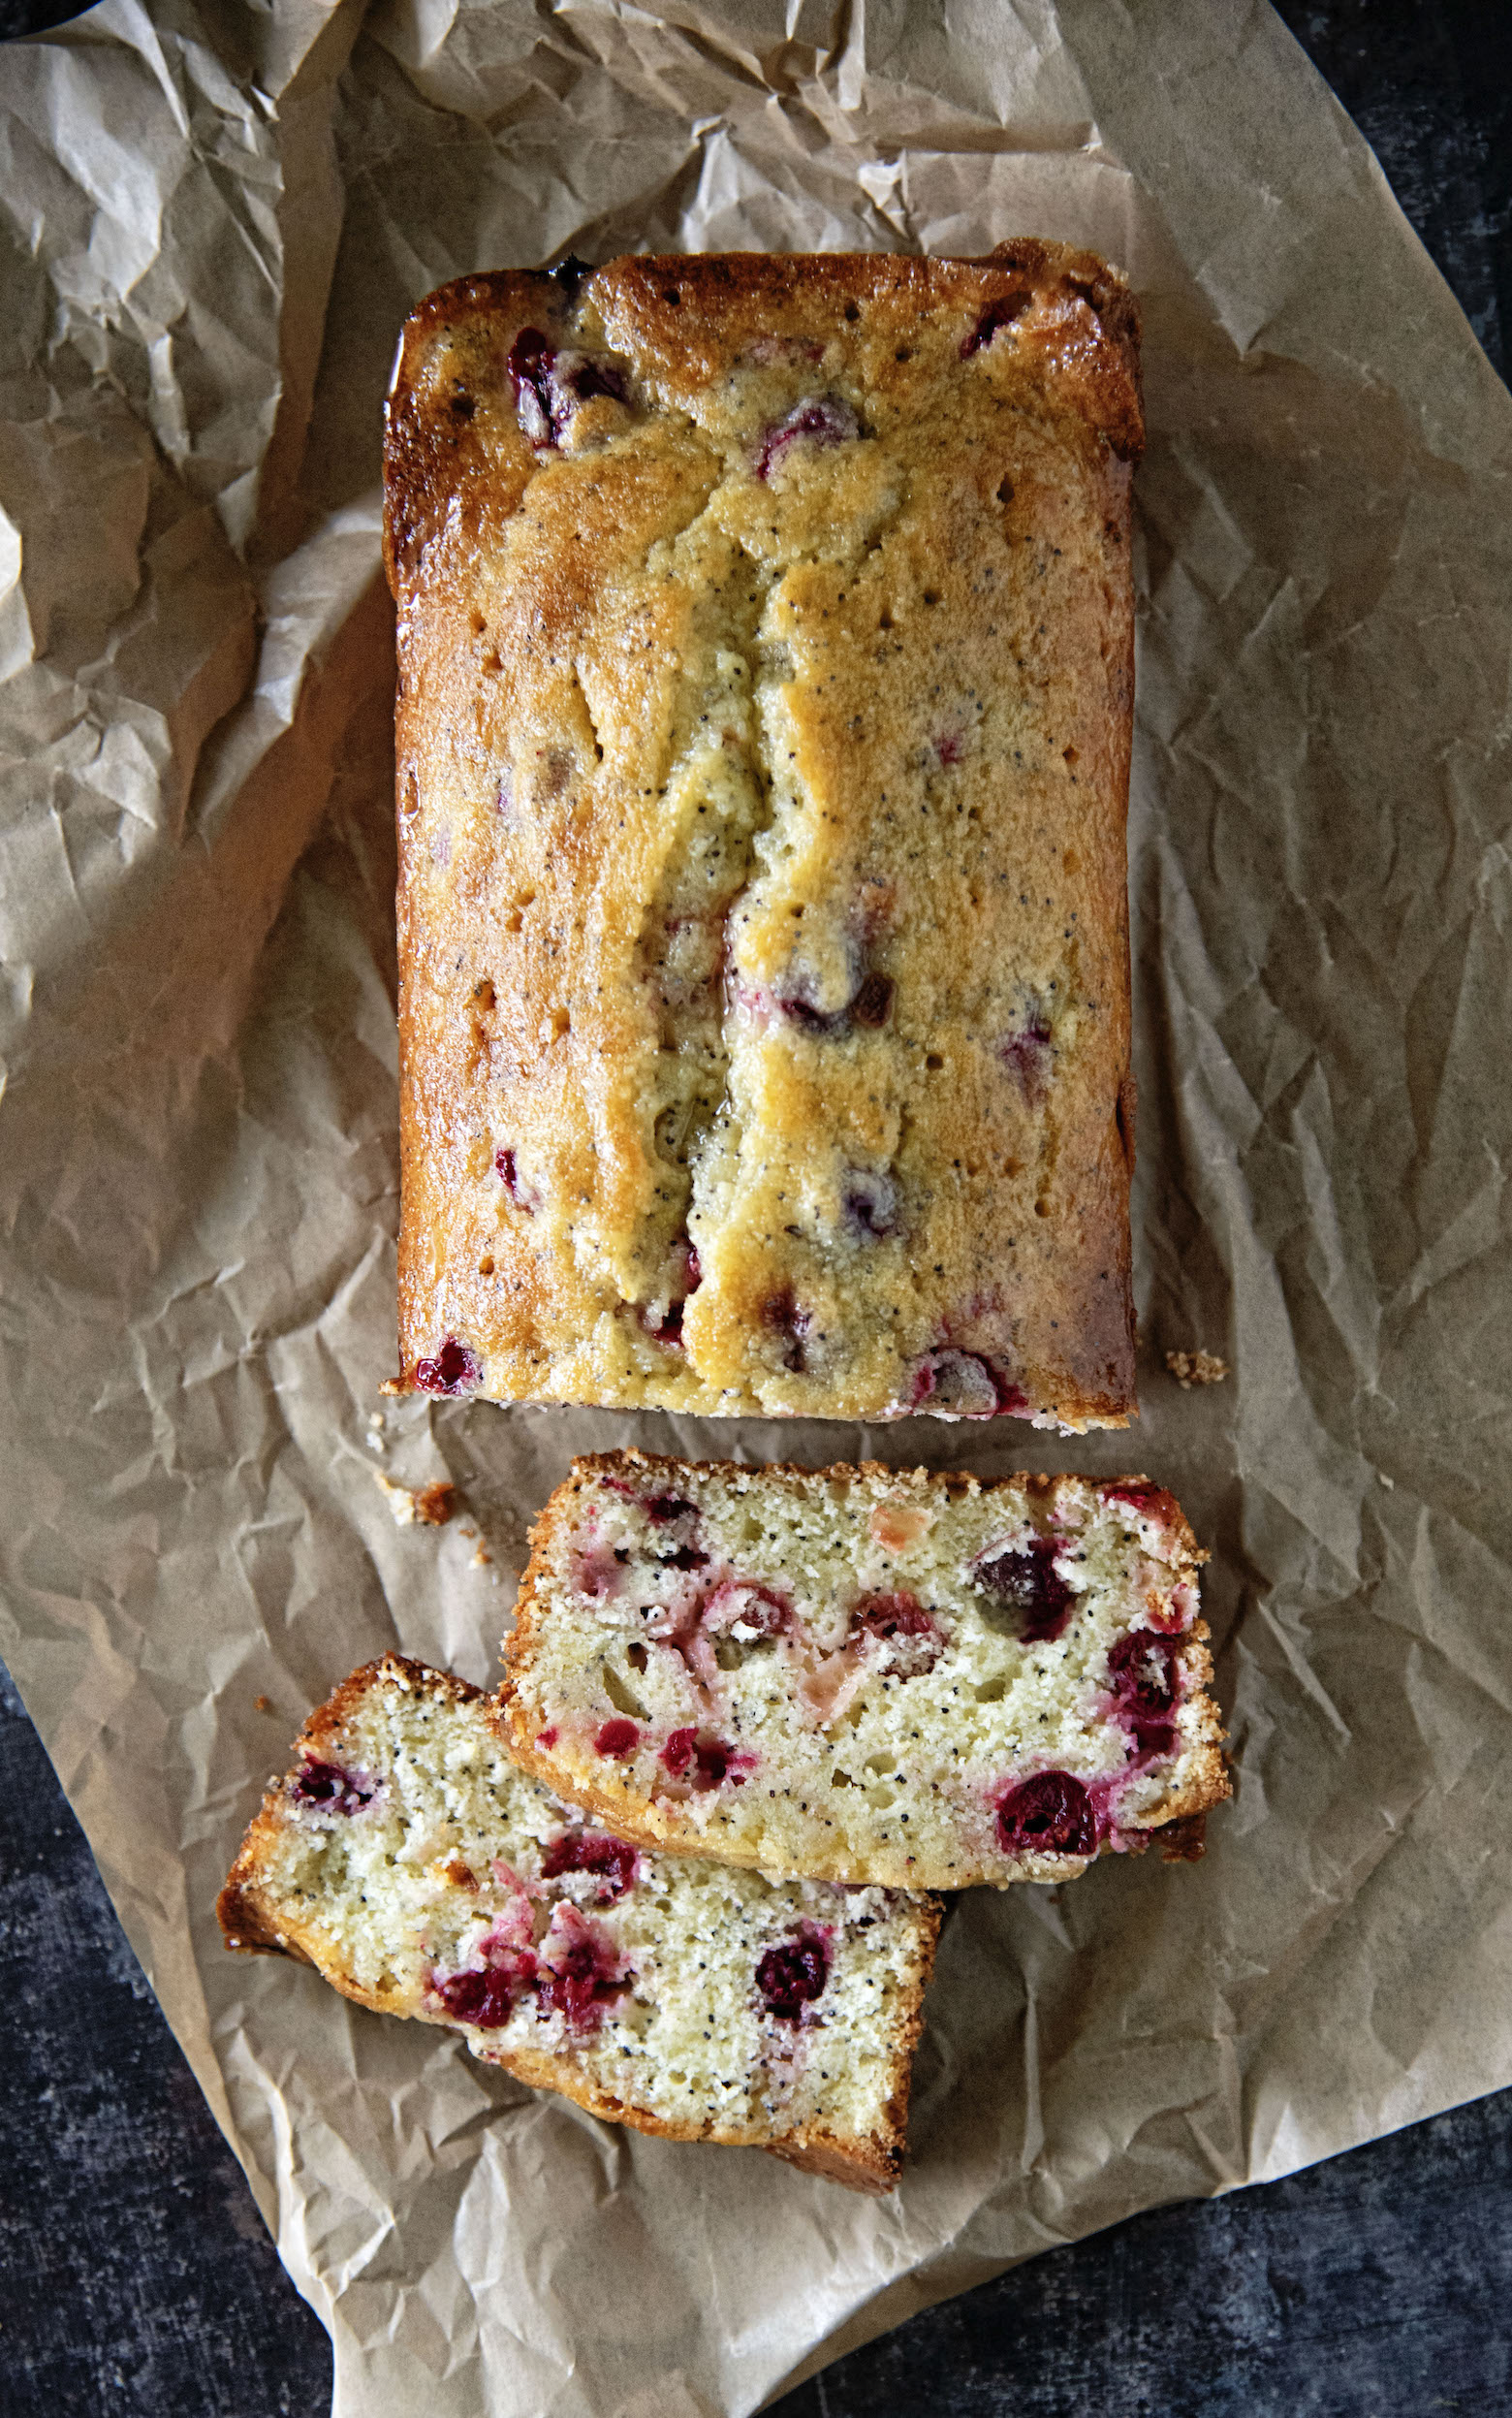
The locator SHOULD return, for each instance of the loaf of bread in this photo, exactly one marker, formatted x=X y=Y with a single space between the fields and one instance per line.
x=868 y=1675
x=406 y=1858
x=766 y=660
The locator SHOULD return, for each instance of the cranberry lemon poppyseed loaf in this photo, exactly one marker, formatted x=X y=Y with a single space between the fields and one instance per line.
x=407 y=1859
x=765 y=635
x=868 y=1675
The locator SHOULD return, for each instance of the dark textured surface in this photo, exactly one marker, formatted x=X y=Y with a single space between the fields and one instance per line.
x=135 y=2274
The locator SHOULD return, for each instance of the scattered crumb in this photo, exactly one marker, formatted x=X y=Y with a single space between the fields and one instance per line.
x=1196 y=1368
x=264 y=1705
x=425 y=1506
x=483 y=1558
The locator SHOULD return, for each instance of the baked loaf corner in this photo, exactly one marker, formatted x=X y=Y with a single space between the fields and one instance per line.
x=868 y=1675
x=405 y=1857
x=766 y=667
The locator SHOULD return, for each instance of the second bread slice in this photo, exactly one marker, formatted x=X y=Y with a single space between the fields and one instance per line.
x=868 y=1675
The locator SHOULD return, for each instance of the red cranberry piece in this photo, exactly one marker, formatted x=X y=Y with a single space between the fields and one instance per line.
x=1049 y=1815
x=453 y=1370
x=529 y=368
x=744 y=1608
x=549 y=385
x=329 y=1786
x=577 y=377
x=614 y=1859
x=806 y=1016
x=824 y=419
x=488 y=1999
x=999 y=314
x=549 y=1737
x=793 y=1974
x=1026 y=1578
x=617 y=1738
x=1138 y=1493
x=950 y=748
x=508 y=1173
x=909 y=1634
x=966 y=1383
x=1025 y=1054
x=662 y=1508
x=869 y=1203
x=668 y=1329
x=579 y=1971
x=704 y=1761
x=1142 y=1674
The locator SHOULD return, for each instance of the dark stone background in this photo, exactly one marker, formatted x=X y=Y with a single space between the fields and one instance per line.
x=135 y=2273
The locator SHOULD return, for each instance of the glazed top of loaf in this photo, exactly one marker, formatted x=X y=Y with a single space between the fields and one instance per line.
x=765 y=705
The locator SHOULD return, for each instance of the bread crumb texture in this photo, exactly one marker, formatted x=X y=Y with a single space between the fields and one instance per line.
x=765 y=663
x=867 y=1675
x=1196 y=1368
x=424 y=1875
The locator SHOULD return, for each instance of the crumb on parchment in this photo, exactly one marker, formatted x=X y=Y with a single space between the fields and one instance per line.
x=422 y=1507
x=1196 y=1368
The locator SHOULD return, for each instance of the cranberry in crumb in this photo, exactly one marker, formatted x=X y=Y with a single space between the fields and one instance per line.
x=612 y=1861
x=617 y=1738
x=487 y=1998
x=1138 y=1493
x=742 y=1608
x=1142 y=1674
x=579 y=1971
x=668 y=1328
x=662 y=1508
x=900 y=1624
x=793 y=1974
x=998 y=314
x=547 y=1738
x=453 y=1370
x=967 y=1385
x=529 y=369
x=868 y=1203
x=824 y=419
x=1049 y=1815
x=1025 y=1054
x=337 y=1791
x=1026 y=1578
x=508 y=1173
x=705 y=1761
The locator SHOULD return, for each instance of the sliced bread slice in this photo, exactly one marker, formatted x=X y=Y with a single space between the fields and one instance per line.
x=406 y=1858
x=868 y=1675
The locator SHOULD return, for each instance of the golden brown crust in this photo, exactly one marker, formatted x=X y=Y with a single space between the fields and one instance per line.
x=561 y=618
x=251 y=1925
x=661 y=1827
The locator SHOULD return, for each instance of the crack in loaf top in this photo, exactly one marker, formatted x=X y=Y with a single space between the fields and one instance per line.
x=765 y=634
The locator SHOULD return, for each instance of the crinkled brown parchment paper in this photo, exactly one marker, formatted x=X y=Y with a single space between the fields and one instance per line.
x=216 y=220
